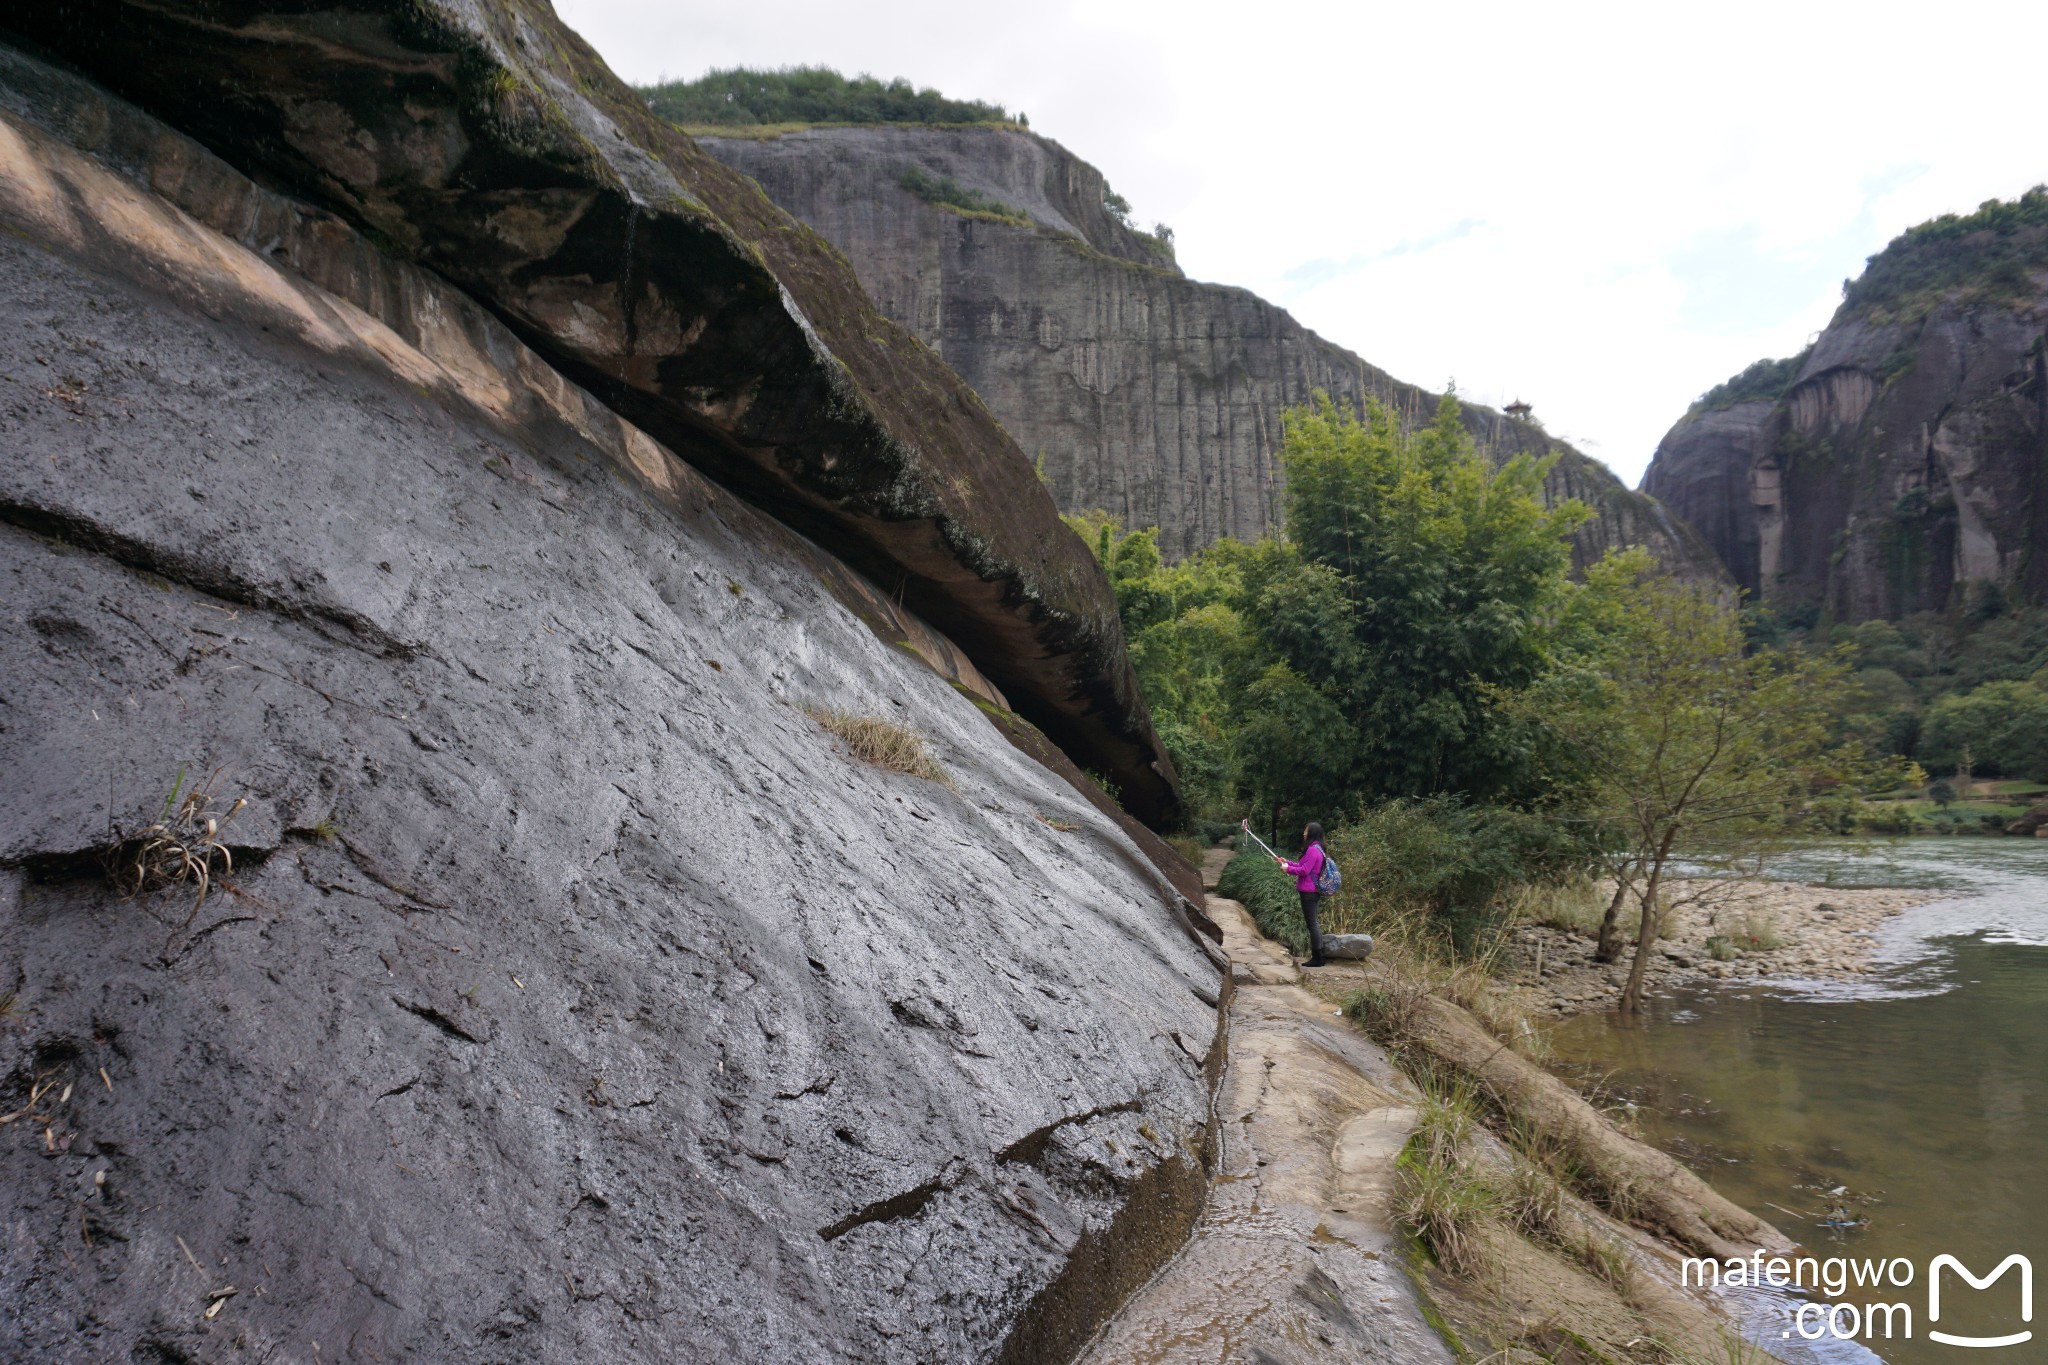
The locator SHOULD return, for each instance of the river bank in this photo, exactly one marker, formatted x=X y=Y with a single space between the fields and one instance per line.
x=1897 y=1113
x=1714 y=931
x=1330 y=1227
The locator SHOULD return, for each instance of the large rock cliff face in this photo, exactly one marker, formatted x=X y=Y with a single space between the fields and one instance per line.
x=1902 y=467
x=574 y=995
x=1136 y=390
x=484 y=141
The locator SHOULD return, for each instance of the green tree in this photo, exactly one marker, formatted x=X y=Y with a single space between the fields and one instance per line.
x=1686 y=743
x=1452 y=570
x=1293 y=747
x=2003 y=725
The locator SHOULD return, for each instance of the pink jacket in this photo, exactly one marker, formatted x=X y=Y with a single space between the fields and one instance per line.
x=1308 y=869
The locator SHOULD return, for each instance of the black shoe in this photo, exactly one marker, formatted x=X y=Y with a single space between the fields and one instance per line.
x=1317 y=962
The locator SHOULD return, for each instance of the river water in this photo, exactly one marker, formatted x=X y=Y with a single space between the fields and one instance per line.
x=1902 y=1116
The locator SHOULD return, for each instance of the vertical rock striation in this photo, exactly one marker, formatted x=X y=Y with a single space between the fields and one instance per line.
x=1901 y=464
x=1134 y=389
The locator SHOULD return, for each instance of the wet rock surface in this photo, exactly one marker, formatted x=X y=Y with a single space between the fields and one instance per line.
x=485 y=141
x=573 y=994
x=1155 y=397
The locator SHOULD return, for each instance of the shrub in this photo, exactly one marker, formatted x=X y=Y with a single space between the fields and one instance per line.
x=2002 y=726
x=1766 y=380
x=950 y=193
x=1453 y=862
x=1885 y=817
x=1254 y=881
x=882 y=742
x=1989 y=255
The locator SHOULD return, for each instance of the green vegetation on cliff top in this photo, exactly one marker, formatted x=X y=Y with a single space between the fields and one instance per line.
x=740 y=96
x=1990 y=255
x=1765 y=381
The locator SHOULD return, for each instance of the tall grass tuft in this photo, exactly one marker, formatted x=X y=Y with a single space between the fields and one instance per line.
x=1444 y=1198
x=1572 y=902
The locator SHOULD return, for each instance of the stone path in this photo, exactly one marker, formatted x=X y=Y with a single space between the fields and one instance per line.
x=1295 y=1258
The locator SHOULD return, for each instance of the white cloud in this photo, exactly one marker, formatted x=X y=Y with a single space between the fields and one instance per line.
x=1601 y=208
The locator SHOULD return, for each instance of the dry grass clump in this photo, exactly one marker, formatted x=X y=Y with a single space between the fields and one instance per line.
x=1604 y=1259
x=1729 y=1349
x=183 y=848
x=1534 y=1201
x=1536 y=1205
x=1411 y=962
x=1760 y=931
x=1573 y=903
x=882 y=742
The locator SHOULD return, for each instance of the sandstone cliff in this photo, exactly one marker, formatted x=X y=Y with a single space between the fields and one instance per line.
x=487 y=143
x=574 y=995
x=1899 y=465
x=1137 y=390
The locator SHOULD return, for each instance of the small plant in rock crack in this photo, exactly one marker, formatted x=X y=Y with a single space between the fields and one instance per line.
x=184 y=847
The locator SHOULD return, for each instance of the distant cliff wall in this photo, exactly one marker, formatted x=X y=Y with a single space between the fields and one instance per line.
x=1901 y=467
x=1137 y=390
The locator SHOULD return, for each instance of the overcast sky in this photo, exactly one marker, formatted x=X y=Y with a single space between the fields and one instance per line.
x=1601 y=209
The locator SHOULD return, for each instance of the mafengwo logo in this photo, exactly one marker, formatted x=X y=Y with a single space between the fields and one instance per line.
x=2026 y=1269
x=1816 y=1320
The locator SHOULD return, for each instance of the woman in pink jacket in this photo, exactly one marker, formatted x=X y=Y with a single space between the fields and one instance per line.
x=1305 y=873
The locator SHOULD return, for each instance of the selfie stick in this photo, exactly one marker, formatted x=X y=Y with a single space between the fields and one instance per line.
x=1246 y=826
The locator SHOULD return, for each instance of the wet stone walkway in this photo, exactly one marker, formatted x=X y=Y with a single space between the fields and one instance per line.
x=1295 y=1258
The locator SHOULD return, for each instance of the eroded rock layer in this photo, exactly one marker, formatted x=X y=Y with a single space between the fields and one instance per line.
x=1136 y=390
x=486 y=142
x=574 y=994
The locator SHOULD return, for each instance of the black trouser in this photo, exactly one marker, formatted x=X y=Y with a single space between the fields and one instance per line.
x=1310 y=900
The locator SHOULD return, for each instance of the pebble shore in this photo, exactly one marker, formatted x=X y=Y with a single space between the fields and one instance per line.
x=1772 y=930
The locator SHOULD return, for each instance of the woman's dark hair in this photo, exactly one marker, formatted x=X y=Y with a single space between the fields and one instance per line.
x=1314 y=832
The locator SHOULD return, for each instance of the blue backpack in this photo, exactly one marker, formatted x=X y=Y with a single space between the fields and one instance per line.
x=1329 y=881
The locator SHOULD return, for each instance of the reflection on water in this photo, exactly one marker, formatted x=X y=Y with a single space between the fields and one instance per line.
x=1914 y=1108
